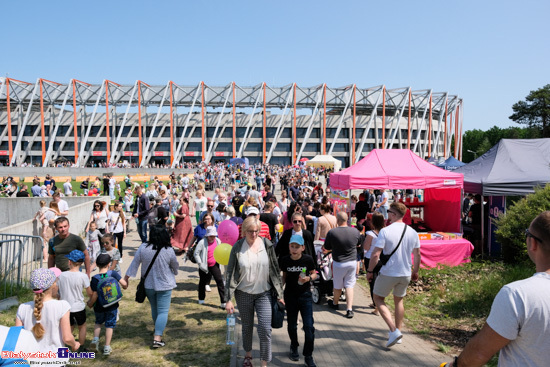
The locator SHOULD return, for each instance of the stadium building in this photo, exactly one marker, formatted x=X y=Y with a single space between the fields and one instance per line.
x=44 y=122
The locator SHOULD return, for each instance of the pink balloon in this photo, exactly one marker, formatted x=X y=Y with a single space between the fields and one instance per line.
x=228 y=232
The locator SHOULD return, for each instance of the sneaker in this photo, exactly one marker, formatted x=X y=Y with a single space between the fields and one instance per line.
x=107 y=350
x=158 y=344
x=394 y=336
x=400 y=341
x=349 y=314
x=201 y=302
x=208 y=289
x=94 y=344
x=332 y=305
x=82 y=349
x=293 y=355
x=309 y=361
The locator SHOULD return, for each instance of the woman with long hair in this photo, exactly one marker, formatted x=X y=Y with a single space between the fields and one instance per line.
x=161 y=279
x=100 y=214
x=183 y=229
x=116 y=223
x=378 y=222
x=287 y=216
x=47 y=317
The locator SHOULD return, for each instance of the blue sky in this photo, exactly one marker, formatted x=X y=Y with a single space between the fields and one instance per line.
x=491 y=53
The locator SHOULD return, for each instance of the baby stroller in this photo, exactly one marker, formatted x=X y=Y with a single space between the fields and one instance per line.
x=323 y=285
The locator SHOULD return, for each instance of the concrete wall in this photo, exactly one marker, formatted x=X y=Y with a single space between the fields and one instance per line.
x=17 y=210
x=79 y=214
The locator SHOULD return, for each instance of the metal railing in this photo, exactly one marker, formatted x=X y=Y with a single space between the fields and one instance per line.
x=19 y=256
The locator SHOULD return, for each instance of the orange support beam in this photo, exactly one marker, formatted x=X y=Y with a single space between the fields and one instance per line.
x=42 y=121
x=445 y=132
x=202 y=118
x=108 y=133
x=171 y=124
x=430 y=130
x=409 y=130
x=140 y=148
x=264 y=130
x=294 y=129
x=456 y=130
x=353 y=132
x=10 y=143
x=234 y=126
x=75 y=125
x=383 y=117
x=324 y=148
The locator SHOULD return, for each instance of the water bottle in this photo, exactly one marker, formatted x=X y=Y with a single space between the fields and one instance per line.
x=302 y=276
x=230 y=340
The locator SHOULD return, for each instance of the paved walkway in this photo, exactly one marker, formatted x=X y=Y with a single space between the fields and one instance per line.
x=338 y=341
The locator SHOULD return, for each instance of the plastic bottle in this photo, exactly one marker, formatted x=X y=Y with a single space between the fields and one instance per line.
x=230 y=339
x=302 y=277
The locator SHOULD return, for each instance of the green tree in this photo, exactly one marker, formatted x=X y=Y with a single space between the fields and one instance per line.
x=535 y=110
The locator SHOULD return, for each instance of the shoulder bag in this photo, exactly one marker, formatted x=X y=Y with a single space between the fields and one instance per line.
x=385 y=258
x=140 y=292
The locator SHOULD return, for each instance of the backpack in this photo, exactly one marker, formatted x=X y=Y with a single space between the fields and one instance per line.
x=108 y=289
x=191 y=252
x=153 y=216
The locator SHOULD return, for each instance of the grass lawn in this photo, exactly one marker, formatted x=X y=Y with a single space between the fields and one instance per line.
x=195 y=334
x=449 y=305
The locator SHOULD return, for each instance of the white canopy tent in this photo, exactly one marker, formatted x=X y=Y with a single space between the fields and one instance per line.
x=325 y=161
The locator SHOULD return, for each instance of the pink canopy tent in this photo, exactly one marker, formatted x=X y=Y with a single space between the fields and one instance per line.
x=402 y=169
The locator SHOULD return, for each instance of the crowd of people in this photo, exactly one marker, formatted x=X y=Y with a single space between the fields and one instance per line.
x=276 y=258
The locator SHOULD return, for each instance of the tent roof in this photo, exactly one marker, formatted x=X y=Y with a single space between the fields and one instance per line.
x=324 y=158
x=512 y=167
x=450 y=164
x=320 y=160
x=394 y=169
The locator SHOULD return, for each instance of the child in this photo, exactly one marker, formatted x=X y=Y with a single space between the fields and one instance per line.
x=109 y=248
x=44 y=214
x=93 y=237
x=71 y=284
x=298 y=297
x=46 y=317
x=107 y=315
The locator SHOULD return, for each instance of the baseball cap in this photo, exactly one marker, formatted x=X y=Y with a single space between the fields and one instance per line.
x=296 y=238
x=75 y=256
x=42 y=279
x=103 y=259
x=56 y=271
x=211 y=231
x=252 y=210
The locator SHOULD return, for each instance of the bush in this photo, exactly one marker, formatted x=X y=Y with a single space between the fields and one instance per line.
x=511 y=225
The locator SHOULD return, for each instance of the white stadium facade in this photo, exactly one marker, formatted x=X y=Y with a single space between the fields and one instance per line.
x=169 y=124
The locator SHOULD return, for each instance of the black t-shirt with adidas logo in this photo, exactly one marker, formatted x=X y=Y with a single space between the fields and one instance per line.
x=293 y=268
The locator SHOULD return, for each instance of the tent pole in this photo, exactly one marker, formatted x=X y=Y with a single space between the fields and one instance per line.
x=482 y=229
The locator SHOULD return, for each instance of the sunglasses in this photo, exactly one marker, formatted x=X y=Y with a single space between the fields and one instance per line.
x=210 y=206
x=529 y=234
x=297 y=221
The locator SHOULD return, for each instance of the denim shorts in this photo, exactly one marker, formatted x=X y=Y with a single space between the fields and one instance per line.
x=108 y=317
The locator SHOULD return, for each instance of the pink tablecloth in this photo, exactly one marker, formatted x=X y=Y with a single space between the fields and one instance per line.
x=451 y=252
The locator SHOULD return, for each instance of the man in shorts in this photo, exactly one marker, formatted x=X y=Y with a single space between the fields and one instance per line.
x=343 y=241
x=396 y=274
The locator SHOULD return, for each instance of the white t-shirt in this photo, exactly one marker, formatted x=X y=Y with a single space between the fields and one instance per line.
x=112 y=183
x=67 y=187
x=201 y=204
x=277 y=211
x=52 y=312
x=63 y=206
x=254 y=270
x=400 y=263
x=374 y=237
x=521 y=313
x=25 y=343
x=113 y=217
x=71 y=284
x=386 y=196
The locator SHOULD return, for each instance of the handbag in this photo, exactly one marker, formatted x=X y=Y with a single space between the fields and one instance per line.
x=140 y=292
x=277 y=311
x=385 y=258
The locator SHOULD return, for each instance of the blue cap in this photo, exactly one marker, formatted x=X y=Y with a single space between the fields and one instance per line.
x=296 y=238
x=75 y=256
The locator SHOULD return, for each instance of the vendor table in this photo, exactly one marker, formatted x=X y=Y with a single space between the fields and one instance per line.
x=447 y=252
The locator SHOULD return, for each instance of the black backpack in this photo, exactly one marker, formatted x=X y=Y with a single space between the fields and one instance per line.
x=153 y=216
x=191 y=252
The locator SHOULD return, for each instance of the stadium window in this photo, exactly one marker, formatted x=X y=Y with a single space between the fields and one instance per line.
x=194 y=147
x=315 y=133
x=224 y=147
x=240 y=132
x=166 y=132
x=68 y=146
x=101 y=146
x=257 y=133
x=253 y=148
x=30 y=129
x=359 y=133
x=36 y=145
x=331 y=132
x=270 y=132
x=312 y=147
x=197 y=133
x=228 y=133
x=301 y=132
x=282 y=161
x=283 y=147
x=163 y=146
x=341 y=147
x=287 y=133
